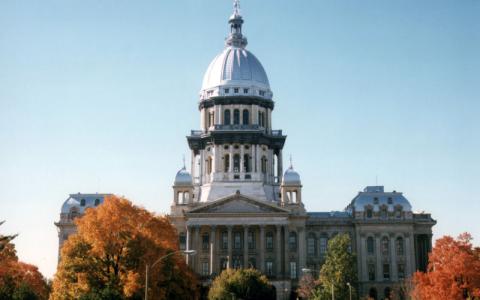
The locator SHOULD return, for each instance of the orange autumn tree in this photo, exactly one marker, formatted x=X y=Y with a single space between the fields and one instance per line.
x=19 y=280
x=106 y=258
x=453 y=271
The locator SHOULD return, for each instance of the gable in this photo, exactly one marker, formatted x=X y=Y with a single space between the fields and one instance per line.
x=238 y=204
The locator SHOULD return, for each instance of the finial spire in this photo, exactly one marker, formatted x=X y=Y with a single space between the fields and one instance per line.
x=236 y=7
x=291 y=163
x=236 y=39
x=183 y=158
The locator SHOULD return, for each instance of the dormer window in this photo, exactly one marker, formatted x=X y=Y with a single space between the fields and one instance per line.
x=235 y=90
x=82 y=202
x=97 y=202
x=226 y=91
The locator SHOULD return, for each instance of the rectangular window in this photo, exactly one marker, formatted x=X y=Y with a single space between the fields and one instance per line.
x=237 y=263
x=224 y=240
x=223 y=263
x=227 y=91
x=245 y=91
x=251 y=240
x=370 y=245
x=269 y=268
x=311 y=246
x=371 y=272
x=205 y=268
x=323 y=245
x=401 y=271
x=293 y=270
x=292 y=241
x=235 y=90
x=183 y=241
x=205 y=242
x=269 y=241
x=237 y=240
x=386 y=271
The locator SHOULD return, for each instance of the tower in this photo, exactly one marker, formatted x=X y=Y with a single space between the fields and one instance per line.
x=236 y=148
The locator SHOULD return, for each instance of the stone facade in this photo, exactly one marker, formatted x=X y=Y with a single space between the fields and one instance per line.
x=238 y=208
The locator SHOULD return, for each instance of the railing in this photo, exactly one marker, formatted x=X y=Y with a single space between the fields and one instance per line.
x=196 y=132
x=276 y=132
x=237 y=127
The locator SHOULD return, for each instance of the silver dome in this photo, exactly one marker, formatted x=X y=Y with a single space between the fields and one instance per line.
x=235 y=69
x=291 y=176
x=183 y=177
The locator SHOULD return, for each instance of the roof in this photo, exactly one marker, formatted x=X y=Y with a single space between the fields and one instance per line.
x=329 y=215
x=375 y=197
x=74 y=202
x=183 y=177
x=235 y=67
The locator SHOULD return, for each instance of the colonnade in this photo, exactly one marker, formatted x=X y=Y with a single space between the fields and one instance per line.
x=407 y=258
x=267 y=246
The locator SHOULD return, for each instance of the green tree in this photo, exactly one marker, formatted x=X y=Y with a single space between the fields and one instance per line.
x=246 y=284
x=339 y=270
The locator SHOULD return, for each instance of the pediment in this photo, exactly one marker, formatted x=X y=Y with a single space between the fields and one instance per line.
x=238 y=204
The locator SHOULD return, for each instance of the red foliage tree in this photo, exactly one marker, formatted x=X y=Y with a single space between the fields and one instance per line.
x=16 y=275
x=453 y=271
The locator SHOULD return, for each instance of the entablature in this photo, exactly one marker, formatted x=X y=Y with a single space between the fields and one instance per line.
x=199 y=140
x=248 y=100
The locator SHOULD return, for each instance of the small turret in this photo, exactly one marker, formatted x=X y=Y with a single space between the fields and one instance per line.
x=291 y=187
x=183 y=187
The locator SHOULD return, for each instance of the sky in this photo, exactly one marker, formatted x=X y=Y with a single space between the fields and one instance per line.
x=98 y=96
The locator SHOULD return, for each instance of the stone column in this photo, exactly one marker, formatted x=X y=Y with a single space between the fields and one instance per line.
x=409 y=255
x=213 y=250
x=214 y=161
x=378 y=255
x=242 y=162
x=363 y=258
x=393 y=258
x=287 y=256
x=253 y=160
x=196 y=246
x=201 y=167
x=302 y=253
x=245 y=246
x=262 y=248
x=278 y=251
x=229 y=230
x=230 y=167
x=188 y=244
x=280 y=166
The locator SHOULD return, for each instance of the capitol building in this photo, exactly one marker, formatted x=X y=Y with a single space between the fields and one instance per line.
x=239 y=206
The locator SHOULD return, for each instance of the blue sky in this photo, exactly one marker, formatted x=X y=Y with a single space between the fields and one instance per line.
x=98 y=96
